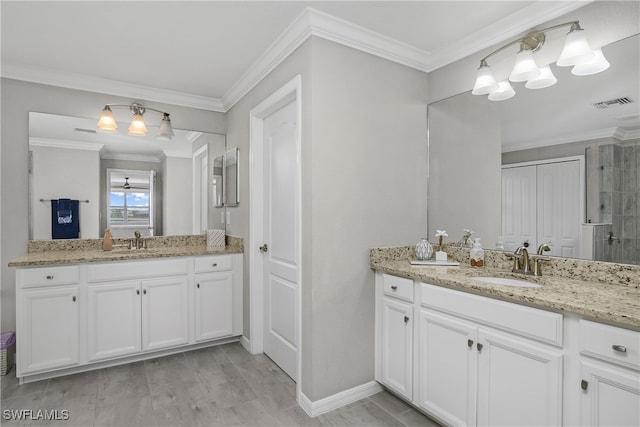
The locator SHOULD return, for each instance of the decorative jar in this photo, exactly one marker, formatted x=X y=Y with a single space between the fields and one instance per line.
x=424 y=250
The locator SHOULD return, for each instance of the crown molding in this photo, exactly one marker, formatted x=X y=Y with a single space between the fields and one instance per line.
x=614 y=132
x=70 y=145
x=310 y=22
x=504 y=29
x=149 y=158
x=112 y=87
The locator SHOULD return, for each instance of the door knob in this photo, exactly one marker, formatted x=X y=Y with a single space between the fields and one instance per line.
x=264 y=248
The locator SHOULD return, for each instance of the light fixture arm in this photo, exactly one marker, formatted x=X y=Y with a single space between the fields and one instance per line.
x=136 y=108
x=534 y=40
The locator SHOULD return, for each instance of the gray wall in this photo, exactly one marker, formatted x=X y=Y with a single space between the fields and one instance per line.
x=18 y=99
x=464 y=168
x=364 y=161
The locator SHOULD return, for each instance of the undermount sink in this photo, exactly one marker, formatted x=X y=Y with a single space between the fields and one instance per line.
x=504 y=281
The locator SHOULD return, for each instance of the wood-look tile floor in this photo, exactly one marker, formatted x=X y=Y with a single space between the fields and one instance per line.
x=216 y=386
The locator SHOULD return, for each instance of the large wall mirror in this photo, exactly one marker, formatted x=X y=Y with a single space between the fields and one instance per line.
x=127 y=183
x=492 y=164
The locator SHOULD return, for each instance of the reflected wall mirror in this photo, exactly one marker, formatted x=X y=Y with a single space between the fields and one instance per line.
x=69 y=159
x=595 y=118
x=231 y=178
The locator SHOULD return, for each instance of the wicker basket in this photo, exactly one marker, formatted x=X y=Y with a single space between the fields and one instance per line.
x=7 y=340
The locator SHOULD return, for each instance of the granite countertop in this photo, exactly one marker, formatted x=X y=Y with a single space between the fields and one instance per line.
x=98 y=255
x=59 y=252
x=605 y=302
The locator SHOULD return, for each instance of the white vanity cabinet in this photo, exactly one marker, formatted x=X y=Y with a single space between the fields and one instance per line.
x=213 y=297
x=468 y=359
x=397 y=335
x=80 y=317
x=48 y=312
x=610 y=377
x=130 y=309
x=488 y=362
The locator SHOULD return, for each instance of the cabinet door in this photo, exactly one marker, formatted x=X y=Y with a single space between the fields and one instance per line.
x=447 y=368
x=213 y=305
x=48 y=329
x=114 y=320
x=519 y=382
x=397 y=346
x=165 y=321
x=610 y=395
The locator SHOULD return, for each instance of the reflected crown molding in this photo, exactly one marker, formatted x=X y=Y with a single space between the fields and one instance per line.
x=134 y=157
x=71 y=145
x=310 y=22
x=614 y=132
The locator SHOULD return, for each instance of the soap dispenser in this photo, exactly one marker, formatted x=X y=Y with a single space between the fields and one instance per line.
x=476 y=255
x=107 y=242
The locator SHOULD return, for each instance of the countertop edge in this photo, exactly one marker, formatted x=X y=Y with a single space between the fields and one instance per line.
x=549 y=300
x=38 y=259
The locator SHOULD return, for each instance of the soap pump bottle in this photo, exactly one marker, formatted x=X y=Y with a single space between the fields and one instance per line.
x=476 y=255
x=107 y=242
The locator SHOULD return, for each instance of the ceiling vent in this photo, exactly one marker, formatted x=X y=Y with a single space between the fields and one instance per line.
x=617 y=101
x=81 y=130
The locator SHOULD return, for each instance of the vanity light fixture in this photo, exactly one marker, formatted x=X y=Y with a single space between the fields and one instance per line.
x=576 y=53
x=108 y=124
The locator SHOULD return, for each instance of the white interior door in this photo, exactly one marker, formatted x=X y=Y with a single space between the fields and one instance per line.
x=559 y=208
x=518 y=206
x=281 y=263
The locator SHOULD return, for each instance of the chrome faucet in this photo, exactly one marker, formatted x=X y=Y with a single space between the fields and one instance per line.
x=538 y=258
x=520 y=257
x=138 y=242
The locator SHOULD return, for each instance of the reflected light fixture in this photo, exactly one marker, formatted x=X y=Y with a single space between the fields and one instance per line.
x=107 y=123
x=576 y=53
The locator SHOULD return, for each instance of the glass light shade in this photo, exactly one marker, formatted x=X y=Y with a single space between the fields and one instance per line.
x=545 y=79
x=485 y=81
x=525 y=67
x=576 y=49
x=597 y=64
x=504 y=91
x=137 y=126
x=165 y=133
x=107 y=123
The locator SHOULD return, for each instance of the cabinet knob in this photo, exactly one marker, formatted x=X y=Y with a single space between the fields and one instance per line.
x=198 y=285
x=406 y=319
x=584 y=384
x=620 y=348
x=470 y=343
x=215 y=264
x=394 y=287
x=73 y=298
x=144 y=291
x=479 y=346
x=138 y=291
x=49 y=277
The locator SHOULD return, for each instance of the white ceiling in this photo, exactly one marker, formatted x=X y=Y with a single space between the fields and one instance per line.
x=205 y=53
x=208 y=54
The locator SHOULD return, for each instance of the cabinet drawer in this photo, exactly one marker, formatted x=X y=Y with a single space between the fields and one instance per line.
x=529 y=322
x=207 y=264
x=398 y=287
x=610 y=343
x=43 y=276
x=138 y=269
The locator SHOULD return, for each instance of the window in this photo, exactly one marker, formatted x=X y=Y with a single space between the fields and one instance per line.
x=130 y=201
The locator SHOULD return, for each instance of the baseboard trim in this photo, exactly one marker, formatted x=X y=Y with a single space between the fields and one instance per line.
x=246 y=343
x=338 y=400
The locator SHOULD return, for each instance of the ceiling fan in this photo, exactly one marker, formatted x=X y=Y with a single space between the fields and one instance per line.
x=128 y=186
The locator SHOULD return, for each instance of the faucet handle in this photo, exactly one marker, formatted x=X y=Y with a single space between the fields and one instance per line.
x=537 y=259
